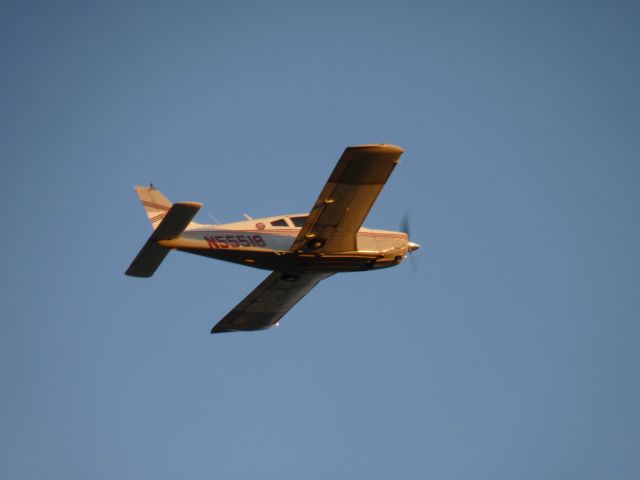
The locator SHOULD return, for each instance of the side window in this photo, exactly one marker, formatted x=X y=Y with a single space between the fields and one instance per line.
x=279 y=223
x=299 y=221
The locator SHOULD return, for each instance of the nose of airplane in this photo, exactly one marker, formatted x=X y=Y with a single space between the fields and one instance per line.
x=413 y=246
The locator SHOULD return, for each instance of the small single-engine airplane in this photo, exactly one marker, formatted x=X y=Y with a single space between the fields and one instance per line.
x=300 y=249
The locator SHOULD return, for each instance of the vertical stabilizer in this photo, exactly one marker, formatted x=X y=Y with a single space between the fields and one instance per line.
x=154 y=202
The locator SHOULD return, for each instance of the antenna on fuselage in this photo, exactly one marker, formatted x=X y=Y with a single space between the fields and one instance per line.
x=215 y=220
x=247 y=216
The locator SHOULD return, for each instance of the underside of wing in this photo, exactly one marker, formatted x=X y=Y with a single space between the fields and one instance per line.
x=269 y=301
x=347 y=197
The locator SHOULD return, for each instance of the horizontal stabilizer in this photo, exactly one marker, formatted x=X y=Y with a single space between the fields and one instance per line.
x=151 y=255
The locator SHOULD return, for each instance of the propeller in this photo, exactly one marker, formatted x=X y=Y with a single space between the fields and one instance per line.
x=405 y=224
x=405 y=227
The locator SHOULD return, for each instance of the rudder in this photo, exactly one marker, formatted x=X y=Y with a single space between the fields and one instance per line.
x=154 y=202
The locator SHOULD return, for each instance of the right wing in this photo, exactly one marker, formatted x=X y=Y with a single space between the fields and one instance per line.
x=347 y=197
x=269 y=301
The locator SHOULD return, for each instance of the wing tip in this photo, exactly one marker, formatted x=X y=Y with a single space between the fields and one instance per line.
x=379 y=147
x=220 y=329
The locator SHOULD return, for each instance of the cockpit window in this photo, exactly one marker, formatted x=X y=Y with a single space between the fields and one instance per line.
x=299 y=221
x=279 y=223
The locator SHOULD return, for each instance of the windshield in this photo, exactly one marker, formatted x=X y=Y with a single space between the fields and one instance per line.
x=299 y=221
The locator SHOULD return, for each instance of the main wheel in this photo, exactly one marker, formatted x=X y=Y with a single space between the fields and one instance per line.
x=316 y=243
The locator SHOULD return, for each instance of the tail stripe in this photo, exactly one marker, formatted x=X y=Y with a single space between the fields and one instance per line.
x=155 y=206
x=157 y=218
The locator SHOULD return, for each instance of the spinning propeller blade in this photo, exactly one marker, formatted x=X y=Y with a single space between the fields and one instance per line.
x=405 y=226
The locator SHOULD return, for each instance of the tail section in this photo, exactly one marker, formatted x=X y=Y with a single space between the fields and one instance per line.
x=173 y=223
x=155 y=204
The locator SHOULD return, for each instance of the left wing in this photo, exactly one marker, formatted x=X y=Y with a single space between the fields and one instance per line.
x=269 y=301
x=347 y=197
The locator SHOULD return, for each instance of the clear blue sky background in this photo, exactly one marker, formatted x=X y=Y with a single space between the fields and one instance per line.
x=510 y=352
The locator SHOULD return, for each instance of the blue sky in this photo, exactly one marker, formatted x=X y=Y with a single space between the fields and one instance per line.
x=510 y=351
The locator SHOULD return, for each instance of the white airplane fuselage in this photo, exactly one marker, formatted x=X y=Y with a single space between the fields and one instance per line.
x=265 y=243
x=300 y=250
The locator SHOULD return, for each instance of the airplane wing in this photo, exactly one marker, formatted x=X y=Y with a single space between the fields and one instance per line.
x=269 y=301
x=346 y=198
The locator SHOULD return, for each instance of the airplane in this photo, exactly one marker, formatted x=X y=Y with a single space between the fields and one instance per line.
x=300 y=249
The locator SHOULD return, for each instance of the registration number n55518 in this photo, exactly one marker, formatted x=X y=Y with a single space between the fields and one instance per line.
x=235 y=241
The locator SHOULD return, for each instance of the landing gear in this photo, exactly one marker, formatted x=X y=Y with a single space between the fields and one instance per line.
x=316 y=243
